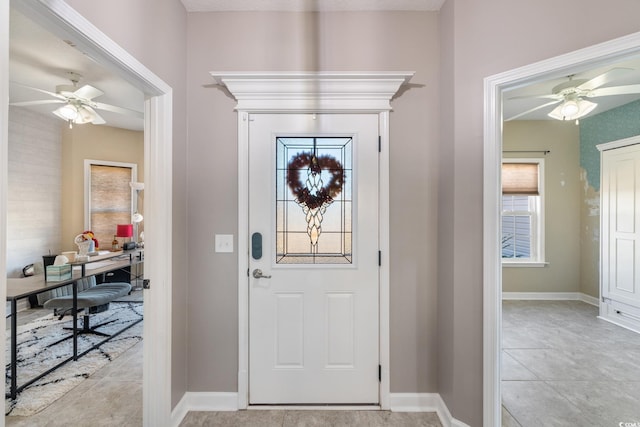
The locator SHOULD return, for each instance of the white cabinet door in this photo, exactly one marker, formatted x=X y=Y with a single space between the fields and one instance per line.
x=313 y=222
x=620 y=210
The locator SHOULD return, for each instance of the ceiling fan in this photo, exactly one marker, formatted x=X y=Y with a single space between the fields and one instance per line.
x=78 y=104
x=570 y=95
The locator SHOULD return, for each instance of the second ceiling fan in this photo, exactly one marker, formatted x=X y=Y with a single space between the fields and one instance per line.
x=571 y=95
x=78 y=104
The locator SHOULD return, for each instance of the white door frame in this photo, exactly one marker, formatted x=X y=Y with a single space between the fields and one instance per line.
x=59 y=18
x=494 y=86
x=310 y=92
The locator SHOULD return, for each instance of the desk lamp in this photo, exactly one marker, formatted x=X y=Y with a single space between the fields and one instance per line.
x=125 y=230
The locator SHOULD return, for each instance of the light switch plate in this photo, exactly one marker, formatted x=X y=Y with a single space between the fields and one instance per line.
x=224 y=242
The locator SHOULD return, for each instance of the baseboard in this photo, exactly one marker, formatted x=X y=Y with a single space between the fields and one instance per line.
x=424 y=402
x=399 y=402
x=550 y=296
x=589 y=299
x=204 y=401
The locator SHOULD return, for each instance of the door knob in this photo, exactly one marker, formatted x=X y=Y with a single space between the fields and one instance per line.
x=257 y=274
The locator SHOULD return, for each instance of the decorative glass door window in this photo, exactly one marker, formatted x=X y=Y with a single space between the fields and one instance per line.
x=314 y=201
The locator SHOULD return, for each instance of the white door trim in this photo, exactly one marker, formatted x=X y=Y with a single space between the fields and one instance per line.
x=59 y=18
x=494 y=86
x=314 y=93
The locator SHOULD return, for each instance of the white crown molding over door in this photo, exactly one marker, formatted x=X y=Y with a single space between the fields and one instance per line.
x=494 y=87
x=310 y=92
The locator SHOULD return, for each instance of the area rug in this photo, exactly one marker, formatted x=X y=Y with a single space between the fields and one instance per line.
x=36 y=354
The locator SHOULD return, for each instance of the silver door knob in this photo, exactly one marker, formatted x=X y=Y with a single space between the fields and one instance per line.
x=257 y=274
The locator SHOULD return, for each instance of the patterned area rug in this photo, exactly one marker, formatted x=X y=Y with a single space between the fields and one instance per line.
x=36 y=354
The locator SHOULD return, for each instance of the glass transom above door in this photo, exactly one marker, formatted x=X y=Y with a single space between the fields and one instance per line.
x=314 y=200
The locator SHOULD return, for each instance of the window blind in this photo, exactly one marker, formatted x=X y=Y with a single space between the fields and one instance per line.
x=520 y=178
x=110 y=201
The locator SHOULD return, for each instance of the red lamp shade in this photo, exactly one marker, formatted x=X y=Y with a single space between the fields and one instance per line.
x=124 y=230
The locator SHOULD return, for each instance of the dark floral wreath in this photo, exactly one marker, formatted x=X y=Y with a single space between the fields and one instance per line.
x=327 y=193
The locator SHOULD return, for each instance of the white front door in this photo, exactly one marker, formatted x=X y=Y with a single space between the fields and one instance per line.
x=313 y=228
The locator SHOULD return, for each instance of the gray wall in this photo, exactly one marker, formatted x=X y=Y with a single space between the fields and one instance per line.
x=477 y=39
x=34 y=202
x=154 y=31
x=486 y=38
x=310 y=41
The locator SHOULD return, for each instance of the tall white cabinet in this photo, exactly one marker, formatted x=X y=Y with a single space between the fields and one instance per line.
x=620 y=232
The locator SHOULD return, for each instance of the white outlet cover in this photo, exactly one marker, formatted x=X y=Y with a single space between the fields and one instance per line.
x=224 y=243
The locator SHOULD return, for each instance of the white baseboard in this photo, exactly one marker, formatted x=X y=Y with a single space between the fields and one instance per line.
x=204 y=401
x=550 y=296
x=424 y=402
x=589 y=299
x=399 y=402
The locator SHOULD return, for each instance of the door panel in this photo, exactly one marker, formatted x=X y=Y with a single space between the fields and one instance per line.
x=621 y=225
x=313 y=321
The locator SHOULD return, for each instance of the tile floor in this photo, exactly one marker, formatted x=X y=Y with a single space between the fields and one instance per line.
x=290 y=418
x=561 y=366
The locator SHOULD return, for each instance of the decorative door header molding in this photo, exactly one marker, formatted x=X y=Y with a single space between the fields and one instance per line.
x=312 y=92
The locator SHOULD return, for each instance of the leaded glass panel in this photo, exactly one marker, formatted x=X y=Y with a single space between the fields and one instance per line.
x=314 y=200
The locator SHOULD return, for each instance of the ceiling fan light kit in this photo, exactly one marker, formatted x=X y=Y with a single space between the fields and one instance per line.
x=572 y=109
x=67 y=112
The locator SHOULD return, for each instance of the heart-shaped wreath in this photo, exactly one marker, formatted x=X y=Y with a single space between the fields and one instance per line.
x=324 y=195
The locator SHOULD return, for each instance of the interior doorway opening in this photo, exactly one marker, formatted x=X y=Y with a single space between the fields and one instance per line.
x=61 y=19
x=495 y=88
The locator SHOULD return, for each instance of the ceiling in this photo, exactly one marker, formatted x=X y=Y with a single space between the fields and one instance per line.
x=41 y=60
x=512 y=106
x=309 y=5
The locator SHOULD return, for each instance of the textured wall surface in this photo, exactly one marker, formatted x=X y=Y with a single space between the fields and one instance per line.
x=611 y=125
x=34 y=208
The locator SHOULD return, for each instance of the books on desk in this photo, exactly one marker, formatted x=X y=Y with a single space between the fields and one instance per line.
x=56 y=273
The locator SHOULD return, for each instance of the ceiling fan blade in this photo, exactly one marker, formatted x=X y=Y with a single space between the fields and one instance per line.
x=55 y=95
x=548 y=96
x=88 y=92
x=604 y=78
x=532 y=110
x=40 y=102
x=119 y=110
x=616 y=90
x=95 y=118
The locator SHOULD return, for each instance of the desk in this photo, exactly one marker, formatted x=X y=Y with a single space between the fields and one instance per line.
x=23 y=288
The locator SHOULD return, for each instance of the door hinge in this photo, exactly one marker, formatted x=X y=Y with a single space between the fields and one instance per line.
x=146 y=284
x=379 y=258
x=379 y=144
x=379 y=373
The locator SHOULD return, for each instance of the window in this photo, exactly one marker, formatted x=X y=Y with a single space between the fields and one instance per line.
x=314 y=200
x=109 y=199
x=523 y=212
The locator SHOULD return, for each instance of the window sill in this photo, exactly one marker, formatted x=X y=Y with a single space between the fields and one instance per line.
x=533 y=264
